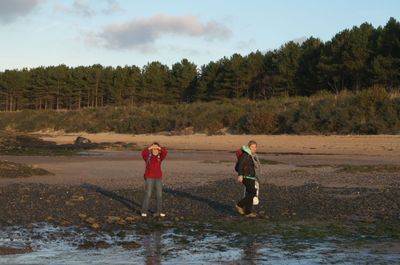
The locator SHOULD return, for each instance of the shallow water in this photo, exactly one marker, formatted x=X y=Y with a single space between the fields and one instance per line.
x=57 y=245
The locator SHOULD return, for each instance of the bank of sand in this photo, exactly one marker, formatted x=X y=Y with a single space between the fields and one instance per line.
x=383 y=145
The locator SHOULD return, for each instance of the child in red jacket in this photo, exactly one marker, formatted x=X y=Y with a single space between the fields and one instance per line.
x=153 y=156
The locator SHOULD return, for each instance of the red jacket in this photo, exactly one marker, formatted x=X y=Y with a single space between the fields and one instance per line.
x=153 y=163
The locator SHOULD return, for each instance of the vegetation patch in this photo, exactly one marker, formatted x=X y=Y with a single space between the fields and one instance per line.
x=316 y=166
x=348 y=168
x=270 y=162
x=217 y=161
x=16 y=170
x=17 y=143
x=373 y=111
x=369 y=168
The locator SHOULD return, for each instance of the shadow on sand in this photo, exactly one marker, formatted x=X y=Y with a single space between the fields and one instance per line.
x=130 y=204
x=215 y=205
x=135 y=206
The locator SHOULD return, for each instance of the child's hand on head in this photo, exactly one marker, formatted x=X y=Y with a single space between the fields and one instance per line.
x=154 y=146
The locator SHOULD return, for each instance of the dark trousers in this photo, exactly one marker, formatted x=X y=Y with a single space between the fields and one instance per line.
x=247 y=201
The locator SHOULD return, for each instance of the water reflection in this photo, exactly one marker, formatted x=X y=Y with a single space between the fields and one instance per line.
x=250 y=251
x=152 y=248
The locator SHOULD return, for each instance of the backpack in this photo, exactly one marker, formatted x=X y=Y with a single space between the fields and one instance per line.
x=150 y=155
x=238 y=153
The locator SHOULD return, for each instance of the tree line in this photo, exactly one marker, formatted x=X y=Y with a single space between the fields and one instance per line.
x=354 y=59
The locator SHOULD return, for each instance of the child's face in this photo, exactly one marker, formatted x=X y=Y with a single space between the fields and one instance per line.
x=253 y=148
x=154 y=151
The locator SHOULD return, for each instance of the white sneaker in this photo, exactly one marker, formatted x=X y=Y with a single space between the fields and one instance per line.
x=159 y=215
x=144 y=214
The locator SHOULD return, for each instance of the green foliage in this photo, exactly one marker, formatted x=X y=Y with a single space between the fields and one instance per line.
x=373 y=111
x=261 y=119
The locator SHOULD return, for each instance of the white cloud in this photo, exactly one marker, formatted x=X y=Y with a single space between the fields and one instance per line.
x=143 y=33
x=111 y=7
x=82 y=7
x=89 y=8
x=244 y=45
x=12 y=9
x=300 y=40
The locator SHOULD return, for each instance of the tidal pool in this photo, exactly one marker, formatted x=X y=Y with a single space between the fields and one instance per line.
x=73 y=245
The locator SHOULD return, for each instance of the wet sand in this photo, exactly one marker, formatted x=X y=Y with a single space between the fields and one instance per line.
x=119 y=169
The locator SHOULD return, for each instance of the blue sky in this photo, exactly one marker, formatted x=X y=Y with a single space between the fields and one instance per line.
x=117 y=32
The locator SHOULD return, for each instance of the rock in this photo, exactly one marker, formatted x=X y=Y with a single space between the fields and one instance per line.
x=82 y=216
x=77 y=198
x=95 y=245
x=168 y=225
x=121 y=234
x=82 y=141
x=121 y=222
x=50 y=218
x=130 y=245
x=95 y=226
x=15 y=250
x=131 y=219
x=68 y=203
x=65 y=223
x=113 y=219
x=90 y=220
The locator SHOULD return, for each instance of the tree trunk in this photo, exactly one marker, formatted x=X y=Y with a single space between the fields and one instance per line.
x=58 y=95
x=6 y=104
x=79 y=100
x=88 y=99
x=11 y=103
x=96 y=92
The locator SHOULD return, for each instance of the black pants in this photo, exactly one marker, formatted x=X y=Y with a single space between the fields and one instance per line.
x=247 y=201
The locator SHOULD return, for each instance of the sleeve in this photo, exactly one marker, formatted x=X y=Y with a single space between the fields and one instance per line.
x=241 y=162
x=145 y=154
x=163 y=153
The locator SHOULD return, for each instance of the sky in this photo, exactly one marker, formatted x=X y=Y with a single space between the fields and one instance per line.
x=132 y=32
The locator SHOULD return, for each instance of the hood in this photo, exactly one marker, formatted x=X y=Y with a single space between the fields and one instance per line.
x=246 y=149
